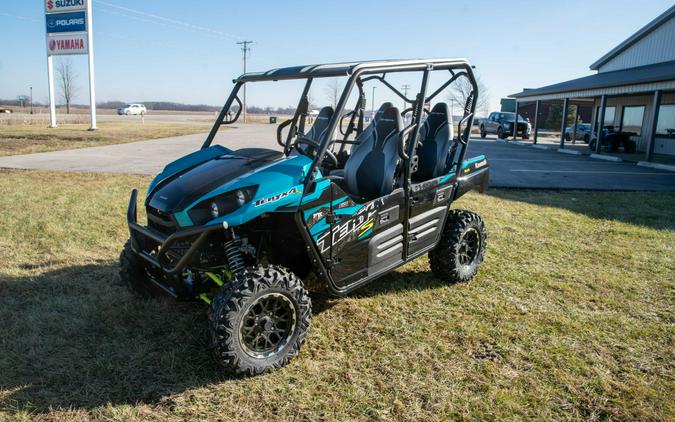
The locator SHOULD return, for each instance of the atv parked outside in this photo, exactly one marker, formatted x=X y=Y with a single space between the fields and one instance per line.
x=341 y=204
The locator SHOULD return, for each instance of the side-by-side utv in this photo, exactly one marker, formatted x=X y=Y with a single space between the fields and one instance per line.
x=340 y=202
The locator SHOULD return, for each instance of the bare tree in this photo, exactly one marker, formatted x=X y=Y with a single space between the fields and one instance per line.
x=333 y=90
x=66 y=77
x=461 y=89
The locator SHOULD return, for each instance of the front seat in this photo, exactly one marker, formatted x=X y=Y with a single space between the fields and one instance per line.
x=370 y=171
x=320 y=125
x=436 y=139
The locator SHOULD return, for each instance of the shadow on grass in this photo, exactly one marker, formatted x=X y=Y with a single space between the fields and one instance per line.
x=75 y=338
x=647 y=209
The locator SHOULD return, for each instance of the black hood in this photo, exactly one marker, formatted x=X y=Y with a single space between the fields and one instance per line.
x=182 y=189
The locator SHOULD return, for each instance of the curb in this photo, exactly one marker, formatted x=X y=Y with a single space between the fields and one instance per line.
x=522 y=144
x=606 y=157
x=569 y=151
x=501 y=141
x=665 y=167
x=541 y=147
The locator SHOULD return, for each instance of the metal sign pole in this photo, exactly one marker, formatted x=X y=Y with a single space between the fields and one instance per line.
x=52 y=99
x=92 y=88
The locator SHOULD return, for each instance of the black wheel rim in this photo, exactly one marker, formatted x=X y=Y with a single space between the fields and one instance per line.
x=469 y=247
x=267 y=325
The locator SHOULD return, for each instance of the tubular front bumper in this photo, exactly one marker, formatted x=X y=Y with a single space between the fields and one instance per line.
x=153 y=246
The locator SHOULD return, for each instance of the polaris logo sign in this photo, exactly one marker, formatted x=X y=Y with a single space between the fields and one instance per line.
x=64 y=5
x=66 y=22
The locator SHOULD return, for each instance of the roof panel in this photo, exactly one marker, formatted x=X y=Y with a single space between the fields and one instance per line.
x=637 y=75
x=346 y=69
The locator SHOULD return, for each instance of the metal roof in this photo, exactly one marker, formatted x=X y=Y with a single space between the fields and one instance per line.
x=348 y=68
x=636 y=75
x=644 y=31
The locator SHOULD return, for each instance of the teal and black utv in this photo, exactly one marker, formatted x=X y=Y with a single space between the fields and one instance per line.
x=346 y=197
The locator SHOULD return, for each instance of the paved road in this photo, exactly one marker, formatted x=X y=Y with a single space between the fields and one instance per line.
x=511 y=165
x=145 y=157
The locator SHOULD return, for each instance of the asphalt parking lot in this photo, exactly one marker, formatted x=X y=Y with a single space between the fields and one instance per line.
x=511 y=166
x=516 y=166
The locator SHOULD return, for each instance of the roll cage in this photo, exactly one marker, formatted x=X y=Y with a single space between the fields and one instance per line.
x=358 y=73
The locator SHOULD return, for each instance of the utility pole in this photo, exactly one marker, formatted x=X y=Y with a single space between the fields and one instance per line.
x=405 y=89
x=31 y=100
x=245 y=49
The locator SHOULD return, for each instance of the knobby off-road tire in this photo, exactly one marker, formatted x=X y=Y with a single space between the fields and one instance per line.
x=132 y=273
x=461 y=248
x=259 y=321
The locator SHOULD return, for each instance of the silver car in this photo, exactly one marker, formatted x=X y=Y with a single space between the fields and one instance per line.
x=583 y=133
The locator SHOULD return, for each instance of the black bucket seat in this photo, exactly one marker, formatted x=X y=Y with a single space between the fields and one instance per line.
x=436 y=139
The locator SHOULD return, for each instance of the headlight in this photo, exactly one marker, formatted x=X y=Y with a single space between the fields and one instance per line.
x=221 y=205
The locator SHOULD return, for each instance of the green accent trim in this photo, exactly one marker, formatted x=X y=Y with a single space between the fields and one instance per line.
x=446 y=178
x=205 y=298
x=215 y=278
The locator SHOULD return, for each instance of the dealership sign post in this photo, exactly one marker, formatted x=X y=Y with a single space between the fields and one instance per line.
x=69 y=30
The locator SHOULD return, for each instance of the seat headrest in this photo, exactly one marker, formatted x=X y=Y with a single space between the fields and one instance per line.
x=320 y=124
x=389 y=123
x=438 y=117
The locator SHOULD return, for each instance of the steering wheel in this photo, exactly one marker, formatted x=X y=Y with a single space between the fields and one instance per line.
x=313 y=143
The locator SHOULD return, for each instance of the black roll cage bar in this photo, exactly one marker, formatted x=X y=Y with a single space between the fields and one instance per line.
x=376 y=71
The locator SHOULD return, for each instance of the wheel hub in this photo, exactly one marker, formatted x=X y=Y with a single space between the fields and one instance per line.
x=469 y=247
x=267 y=325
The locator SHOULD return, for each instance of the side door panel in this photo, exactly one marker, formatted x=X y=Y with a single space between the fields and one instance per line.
x=428 y=210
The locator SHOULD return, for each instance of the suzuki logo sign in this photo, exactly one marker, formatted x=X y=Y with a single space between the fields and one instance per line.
x=64 y=5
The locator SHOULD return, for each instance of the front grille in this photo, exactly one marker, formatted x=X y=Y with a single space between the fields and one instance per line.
x=160 y=221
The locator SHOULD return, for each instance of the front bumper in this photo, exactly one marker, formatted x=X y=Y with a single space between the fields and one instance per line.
x=154 y=246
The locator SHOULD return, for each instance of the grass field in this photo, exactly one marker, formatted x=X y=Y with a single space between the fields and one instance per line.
x=570 y=317
x=30 y=138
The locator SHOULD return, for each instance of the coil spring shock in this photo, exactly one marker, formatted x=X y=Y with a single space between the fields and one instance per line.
x=234 y=256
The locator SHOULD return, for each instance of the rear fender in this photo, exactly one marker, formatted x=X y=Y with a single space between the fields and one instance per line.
x=475 y=175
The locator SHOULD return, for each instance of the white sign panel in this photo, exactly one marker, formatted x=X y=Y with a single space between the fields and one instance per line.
x=55 y=6
x=67 y=44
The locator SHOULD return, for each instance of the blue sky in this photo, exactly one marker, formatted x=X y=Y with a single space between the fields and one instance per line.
x=513 y=44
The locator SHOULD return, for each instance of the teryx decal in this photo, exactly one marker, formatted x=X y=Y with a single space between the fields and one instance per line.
x=361 y=223
x=275 y=198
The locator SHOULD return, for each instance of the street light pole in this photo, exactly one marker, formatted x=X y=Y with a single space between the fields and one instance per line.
x=245 y=49
x=31 y=100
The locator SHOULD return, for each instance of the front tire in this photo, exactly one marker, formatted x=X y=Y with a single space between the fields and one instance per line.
x=260 y=320
x=483 y=133
x=500 y=133
x=133 y=274
x=461 y=249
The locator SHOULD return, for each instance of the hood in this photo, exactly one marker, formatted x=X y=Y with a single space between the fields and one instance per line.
x=183 y=188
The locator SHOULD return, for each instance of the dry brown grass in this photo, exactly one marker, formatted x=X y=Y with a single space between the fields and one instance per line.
x=570 y=317
x=30 y=137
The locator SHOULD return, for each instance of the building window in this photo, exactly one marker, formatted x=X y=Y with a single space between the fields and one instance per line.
x=631 y=121
x=666 y=124
x=609 y=116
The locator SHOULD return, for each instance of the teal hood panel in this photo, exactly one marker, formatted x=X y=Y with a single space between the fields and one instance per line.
x=279 y=188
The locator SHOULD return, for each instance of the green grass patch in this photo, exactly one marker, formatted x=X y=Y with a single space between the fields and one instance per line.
x=570 y=317
x=30 y=138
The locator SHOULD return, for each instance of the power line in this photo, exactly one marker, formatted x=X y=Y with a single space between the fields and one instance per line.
x=245 y=49
x=175 y=22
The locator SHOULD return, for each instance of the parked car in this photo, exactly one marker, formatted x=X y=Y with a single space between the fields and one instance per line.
x=583 y=132
x=5 y=110
x=132 y=109
x=501 y=124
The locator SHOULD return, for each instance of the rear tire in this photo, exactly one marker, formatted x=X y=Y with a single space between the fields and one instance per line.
x=461 y=248
x=133 y=274
x=483 y=133
x=500 y=133
x=259 y=321
x=567 y=137
x=586 y=138
x=591 y=145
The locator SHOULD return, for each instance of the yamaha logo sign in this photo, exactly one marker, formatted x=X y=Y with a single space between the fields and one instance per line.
x=67 y=44
x=64 y=5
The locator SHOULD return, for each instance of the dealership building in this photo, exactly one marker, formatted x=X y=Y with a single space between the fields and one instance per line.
x=633 y=91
